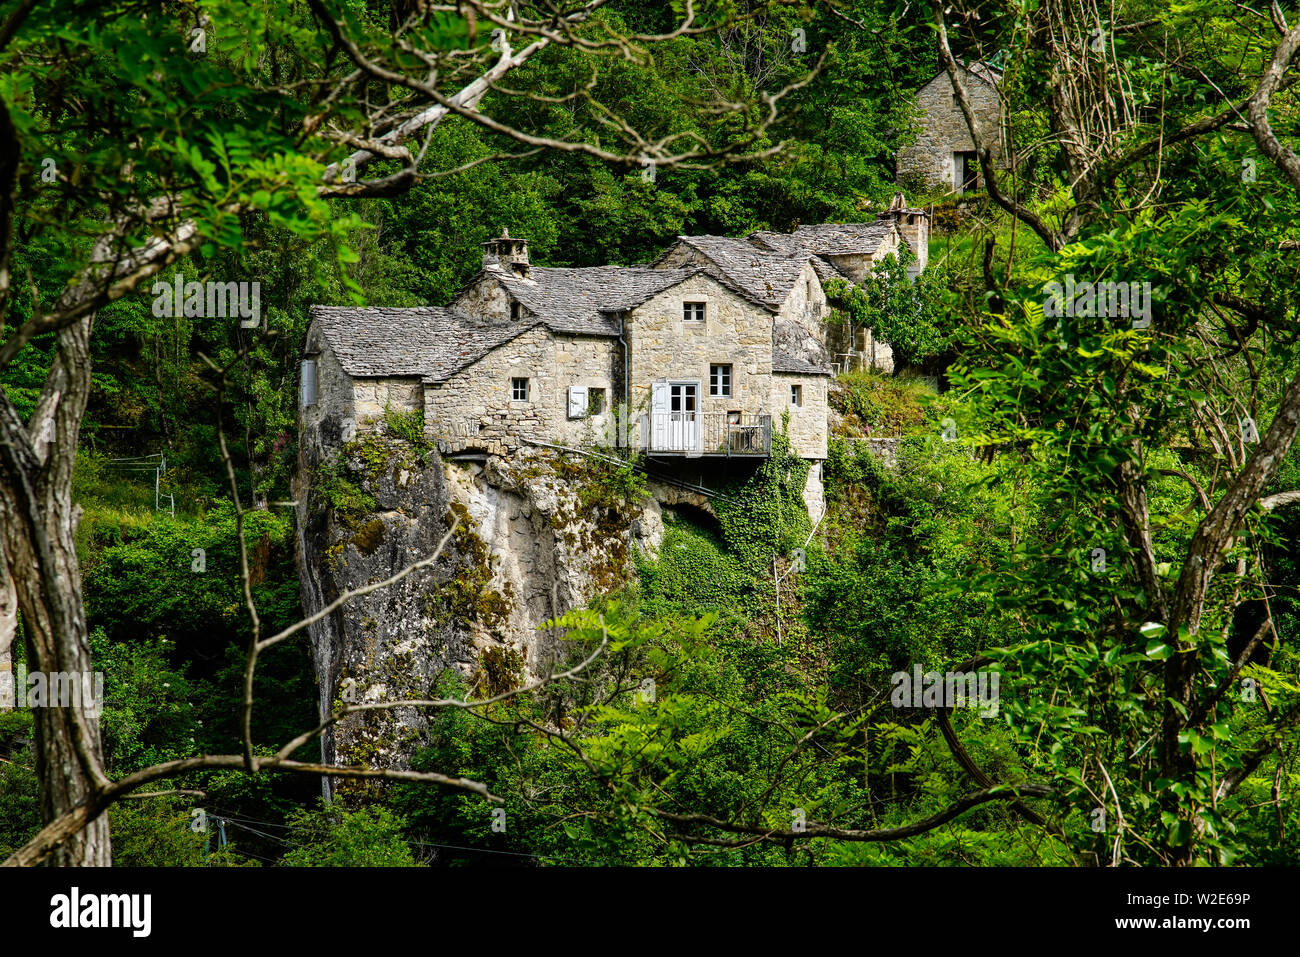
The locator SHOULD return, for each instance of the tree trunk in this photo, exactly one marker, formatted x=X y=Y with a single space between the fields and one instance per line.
x=39 y=521
x=8 y=629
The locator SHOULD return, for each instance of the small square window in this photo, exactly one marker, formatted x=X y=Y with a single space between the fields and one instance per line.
x=733 y=417
x=693 y=312
x=720 y=380
x=519 y=390
x=595 y=401
x=516 y=310
x=796 y=396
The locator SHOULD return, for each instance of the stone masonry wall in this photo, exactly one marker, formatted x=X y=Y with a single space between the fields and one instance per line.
x=372 y=397
x=734 y=332
x=807 y=423
x=474 y=409
x=944 y=130
x=806 y=304
x=483 y=298
x=333 y=387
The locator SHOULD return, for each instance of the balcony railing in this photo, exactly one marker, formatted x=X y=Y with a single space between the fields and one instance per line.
x=706 y=433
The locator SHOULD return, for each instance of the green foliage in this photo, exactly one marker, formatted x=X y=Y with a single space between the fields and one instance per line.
x=693 y=572
x=407 y=426
x=895 y=540
x=913 y=315
x=20 y=813
x=157 y=833
x=147 y=575
x=340 y=492
x=333 y=837
x=765 y=514
x=871 y=403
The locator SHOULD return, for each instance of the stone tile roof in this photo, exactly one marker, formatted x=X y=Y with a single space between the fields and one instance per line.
x=431 y=342
x=580 y=300
x=764 y=275
x=825 y=270
x=827 y=239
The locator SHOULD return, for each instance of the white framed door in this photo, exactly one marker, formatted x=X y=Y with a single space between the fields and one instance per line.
x=683 y=416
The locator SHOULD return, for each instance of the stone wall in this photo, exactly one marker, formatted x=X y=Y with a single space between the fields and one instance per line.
x=333 y=385
x=944 y=130
x=372 y=397
x=814 y=494
x=331 y=421
x=475 y=408
x=483 y=298
x=807 y=424
x=857 y=265
x=734 y=332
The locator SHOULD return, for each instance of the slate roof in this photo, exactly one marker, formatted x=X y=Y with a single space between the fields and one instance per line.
x=432 y=342
x=767 y=277
x=828 y=239
x=581 y=300
x=784 y=362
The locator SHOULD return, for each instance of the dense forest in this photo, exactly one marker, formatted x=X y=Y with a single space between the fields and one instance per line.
x=1101 y=512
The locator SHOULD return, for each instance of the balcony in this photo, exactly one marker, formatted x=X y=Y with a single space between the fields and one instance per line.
x=694 y=434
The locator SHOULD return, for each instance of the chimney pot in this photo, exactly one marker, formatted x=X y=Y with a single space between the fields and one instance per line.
x=507 y=252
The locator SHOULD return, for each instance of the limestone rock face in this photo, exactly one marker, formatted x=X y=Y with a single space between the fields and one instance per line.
x=529 y=536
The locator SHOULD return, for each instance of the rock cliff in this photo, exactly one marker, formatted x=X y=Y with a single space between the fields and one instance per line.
x=528 y=536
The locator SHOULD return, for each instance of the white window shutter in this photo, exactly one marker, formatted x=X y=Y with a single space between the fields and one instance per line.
x=577 y=401
x=659 y=396
x=309 y=388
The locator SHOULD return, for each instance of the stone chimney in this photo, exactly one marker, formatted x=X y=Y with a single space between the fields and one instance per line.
x=914 y=226
x=508 y=253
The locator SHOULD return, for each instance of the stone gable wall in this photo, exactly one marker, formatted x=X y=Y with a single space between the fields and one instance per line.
x=334 y=397
x=484 y=298
x=806 y=304
x=735 y=332
x=944 y=130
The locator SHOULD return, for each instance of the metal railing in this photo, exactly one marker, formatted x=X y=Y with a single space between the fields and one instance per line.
x=707 y=433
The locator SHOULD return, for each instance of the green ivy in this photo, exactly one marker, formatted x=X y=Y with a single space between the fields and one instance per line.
x=765 y=514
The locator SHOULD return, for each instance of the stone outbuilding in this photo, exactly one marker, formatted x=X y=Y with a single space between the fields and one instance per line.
x=944 y=152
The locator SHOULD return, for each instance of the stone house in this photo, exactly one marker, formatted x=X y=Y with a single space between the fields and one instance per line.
x=944 y=152
x=697 y=357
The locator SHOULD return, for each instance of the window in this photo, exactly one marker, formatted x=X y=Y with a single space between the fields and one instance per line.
x=308 y=383
x=516 y=310
x=519 y=390
x=719 y=380
x=796 y=396
x=733 y=417
x=595 y=401
x=693 y=312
